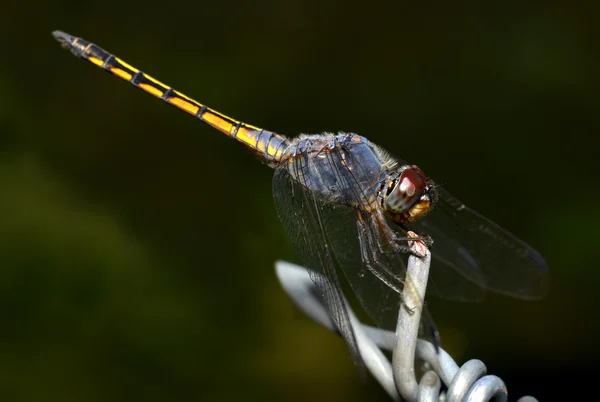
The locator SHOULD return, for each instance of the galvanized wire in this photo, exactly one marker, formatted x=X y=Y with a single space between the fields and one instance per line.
x=466 y=383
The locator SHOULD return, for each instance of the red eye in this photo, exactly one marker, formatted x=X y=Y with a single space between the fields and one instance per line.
x=407 y=191
x=412 y=196
x=412 y=180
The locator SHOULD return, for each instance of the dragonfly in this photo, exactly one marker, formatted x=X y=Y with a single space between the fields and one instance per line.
x=347 y=206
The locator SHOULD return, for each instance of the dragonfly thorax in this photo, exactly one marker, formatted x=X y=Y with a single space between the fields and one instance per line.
x=409 y=195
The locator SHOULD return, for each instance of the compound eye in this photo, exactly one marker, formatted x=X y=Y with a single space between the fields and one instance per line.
x=407 y=191
x=412 y=181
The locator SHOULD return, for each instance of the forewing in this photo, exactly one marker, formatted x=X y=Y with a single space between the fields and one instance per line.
x=445 y=281
x=300 y=212
x=483 y=252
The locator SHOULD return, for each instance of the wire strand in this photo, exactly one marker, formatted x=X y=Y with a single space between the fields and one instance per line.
x=444 y=381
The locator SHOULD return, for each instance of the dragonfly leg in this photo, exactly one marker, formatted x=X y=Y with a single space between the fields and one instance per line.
x=398 y=243
x=428 y=240
x=372 y=253
x=400 y=247
x=401 y=241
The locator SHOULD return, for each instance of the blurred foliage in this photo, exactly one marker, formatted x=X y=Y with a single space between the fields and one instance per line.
x=137 y=245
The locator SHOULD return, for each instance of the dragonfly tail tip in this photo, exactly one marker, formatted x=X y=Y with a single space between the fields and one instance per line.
x=62 y=37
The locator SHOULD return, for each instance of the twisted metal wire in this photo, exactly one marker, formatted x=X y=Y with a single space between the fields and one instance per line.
x=466 y=383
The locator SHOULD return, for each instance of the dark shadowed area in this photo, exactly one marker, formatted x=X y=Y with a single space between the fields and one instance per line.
x=137 y=244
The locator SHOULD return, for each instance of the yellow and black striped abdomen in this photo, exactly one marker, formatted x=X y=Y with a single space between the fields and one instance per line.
x=266 y=144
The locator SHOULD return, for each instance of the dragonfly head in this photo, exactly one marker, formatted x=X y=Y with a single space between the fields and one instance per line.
x=409 y=195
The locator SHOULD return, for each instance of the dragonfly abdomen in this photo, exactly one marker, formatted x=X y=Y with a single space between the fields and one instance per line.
x=267 y=145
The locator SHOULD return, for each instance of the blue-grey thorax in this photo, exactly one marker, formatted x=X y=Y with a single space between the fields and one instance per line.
x=344 y=168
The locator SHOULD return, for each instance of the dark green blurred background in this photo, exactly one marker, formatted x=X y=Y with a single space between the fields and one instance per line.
x=137 y=245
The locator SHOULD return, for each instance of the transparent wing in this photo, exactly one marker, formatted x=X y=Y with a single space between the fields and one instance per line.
x=448 y=283
x=445 y=281
x=300 y=213
x=481 y=251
